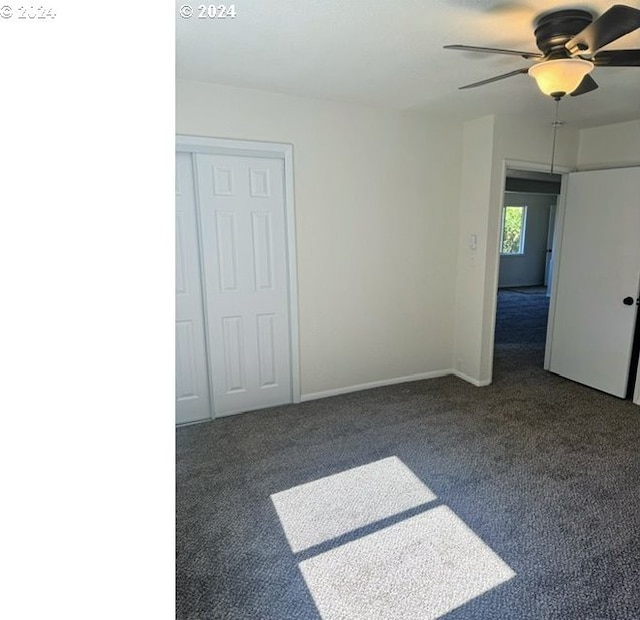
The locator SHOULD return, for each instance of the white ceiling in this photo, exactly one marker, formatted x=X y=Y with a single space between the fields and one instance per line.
x=389 y=53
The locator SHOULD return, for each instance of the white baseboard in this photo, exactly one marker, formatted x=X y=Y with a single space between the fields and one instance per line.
x=468 y=379
x=374 y=384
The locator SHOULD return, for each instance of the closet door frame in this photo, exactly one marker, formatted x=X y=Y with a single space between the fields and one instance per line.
x=246 y=148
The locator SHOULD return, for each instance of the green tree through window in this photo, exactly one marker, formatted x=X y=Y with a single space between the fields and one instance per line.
x=513 y=219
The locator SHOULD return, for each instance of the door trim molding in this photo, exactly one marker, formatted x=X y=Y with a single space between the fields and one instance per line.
x=276 y=150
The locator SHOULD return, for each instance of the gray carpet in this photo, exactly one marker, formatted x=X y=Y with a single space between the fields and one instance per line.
x=541 y=471
x=522 y=318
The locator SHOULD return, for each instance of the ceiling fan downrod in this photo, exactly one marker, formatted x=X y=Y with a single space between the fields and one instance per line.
x=556 y=123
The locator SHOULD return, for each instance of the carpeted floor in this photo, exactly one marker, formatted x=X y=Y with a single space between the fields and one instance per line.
x=521 y=318
x=536 y=486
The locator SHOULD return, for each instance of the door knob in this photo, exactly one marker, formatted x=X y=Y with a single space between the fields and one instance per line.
x=628 y=301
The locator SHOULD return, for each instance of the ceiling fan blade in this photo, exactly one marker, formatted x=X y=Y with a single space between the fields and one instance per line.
x=611 y=25
x=617 y=58
x=586 y=86
x=494 y=79
x=493 y=50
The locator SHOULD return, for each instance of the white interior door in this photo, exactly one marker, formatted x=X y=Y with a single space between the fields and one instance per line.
x=192 y=383
x=242 y=207
x=599 y=268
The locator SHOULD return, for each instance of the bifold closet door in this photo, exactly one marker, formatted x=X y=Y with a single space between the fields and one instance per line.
x=598 y=279
x=192 y=382
x=244 y=249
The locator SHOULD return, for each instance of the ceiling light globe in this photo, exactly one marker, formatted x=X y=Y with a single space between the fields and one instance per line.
x=560 y=77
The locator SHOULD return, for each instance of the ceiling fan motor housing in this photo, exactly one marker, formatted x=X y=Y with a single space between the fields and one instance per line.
x=553 y=30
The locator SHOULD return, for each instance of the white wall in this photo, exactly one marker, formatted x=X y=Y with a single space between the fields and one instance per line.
x=489 y=143
x=610 y=146
x=475 y=193
x=376 y=198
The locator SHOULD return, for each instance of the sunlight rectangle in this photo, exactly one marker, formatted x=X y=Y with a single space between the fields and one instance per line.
x=418 y=569
x=318 y=511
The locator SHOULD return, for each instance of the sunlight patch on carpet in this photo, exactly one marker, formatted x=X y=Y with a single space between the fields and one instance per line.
x=420 y=568
x=326 y=508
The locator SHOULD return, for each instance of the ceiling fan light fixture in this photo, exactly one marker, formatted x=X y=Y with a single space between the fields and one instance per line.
x=561 y=76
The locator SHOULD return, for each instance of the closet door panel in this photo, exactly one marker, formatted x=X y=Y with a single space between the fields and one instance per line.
x=192 y=383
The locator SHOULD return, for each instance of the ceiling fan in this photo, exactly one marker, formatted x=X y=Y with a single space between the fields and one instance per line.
x=569 y=42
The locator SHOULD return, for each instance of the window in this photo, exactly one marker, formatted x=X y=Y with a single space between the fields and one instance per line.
x=513 y=224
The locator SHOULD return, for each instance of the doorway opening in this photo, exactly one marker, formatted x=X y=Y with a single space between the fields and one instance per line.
x=527 y=229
